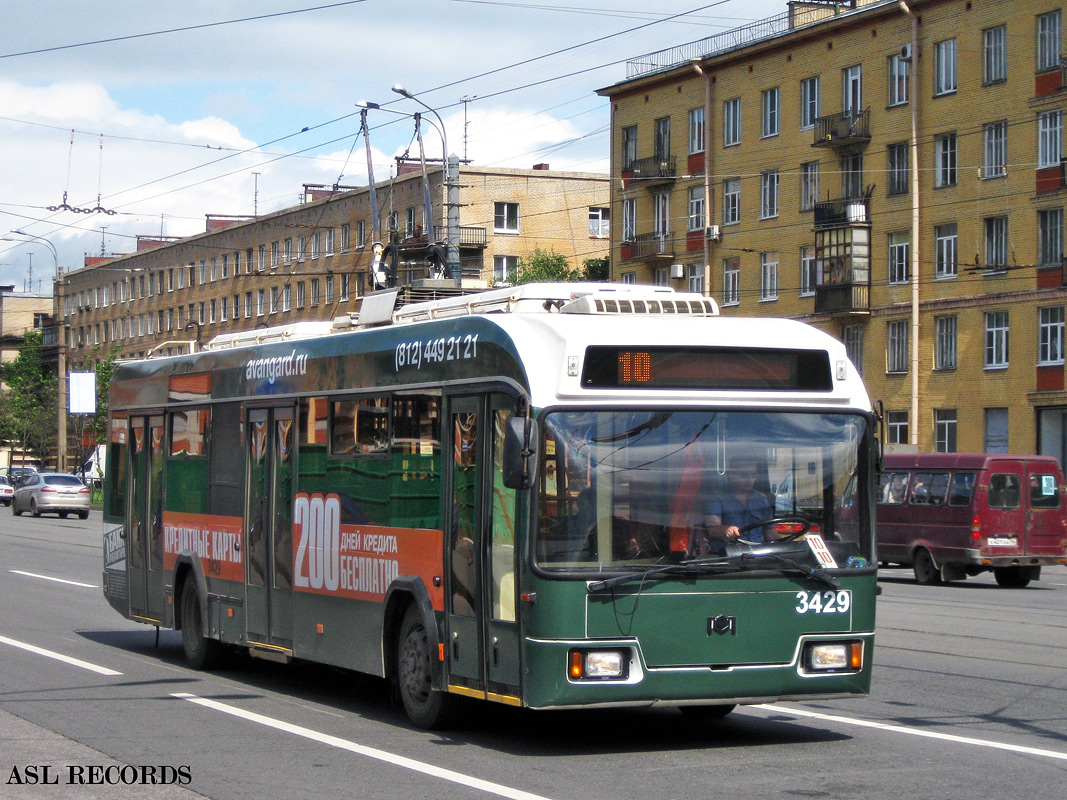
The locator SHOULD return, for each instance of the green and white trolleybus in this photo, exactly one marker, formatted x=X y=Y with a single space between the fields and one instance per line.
x=515 y=496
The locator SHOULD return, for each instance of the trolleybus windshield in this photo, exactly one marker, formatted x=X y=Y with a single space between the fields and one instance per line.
x=622 y=487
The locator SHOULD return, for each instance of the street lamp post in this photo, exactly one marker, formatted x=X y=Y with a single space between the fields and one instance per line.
x=452 y=191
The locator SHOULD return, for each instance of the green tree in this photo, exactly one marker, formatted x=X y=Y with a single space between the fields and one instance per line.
x=29 y=407
x=596 y=269
x=546 y=266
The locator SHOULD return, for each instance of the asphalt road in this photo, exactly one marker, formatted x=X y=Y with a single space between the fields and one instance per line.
x=969 y=700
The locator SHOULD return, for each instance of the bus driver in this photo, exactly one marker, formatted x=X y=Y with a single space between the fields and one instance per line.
x=740 y=505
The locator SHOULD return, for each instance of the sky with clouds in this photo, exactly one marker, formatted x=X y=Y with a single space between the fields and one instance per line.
x=146 y=116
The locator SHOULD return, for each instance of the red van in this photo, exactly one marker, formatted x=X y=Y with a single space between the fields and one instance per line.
x=950 y=515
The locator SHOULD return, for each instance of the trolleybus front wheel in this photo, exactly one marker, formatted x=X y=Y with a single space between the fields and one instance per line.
x=200 y=652
x=425 y=706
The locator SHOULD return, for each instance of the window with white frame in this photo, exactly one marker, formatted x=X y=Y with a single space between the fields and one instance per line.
x=1049 y=138
x=897 y=165
x=945 y=430
x=768 y=276
x=328 y=235
x=629 y=278
x=599 y=225
x=731 y=281
x=899 y=248
x=771 y=116
x=661 y=215
x=696 y=130
x=731 y=122
x=945 y=342
x=852 y=90
x=996 y=243
x=945 y=164
x=852 y=175
x=361 y=233
x=731 y=201
x=769 y=194
x=1048 y=40
x=809 y=102
x=852 y=336
x=946 y=241
x=1050 y=237
x=346 y=238
x=945 y=67
x=346 y=287
x=505 y=217
x=1050 y=335
x=629 y=219
x=897 y=349
x=287 y=297
x=261 y=302
x=996 y=430
x=696 y=278
x=809 y=185
x=248 y=307
x=316 y=244
x=996 y=339
x=696 y=208
x=661 y=276
x=662 y=143
x=275 y=255
x=504 y=268
x=995 y=54
x=995 y=148
x=899 y=75
x=809 y=273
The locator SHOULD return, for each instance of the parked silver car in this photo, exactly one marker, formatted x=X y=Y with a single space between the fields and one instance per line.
x=7 y=491
x=52 y=493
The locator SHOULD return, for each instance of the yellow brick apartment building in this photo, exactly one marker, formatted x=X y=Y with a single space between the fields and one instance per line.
x=890 y=172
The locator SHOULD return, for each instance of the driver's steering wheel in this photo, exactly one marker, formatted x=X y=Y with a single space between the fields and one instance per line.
x=805 y=526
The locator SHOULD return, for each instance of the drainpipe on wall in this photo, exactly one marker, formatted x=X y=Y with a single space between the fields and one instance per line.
x=913 y=156
x=707 y=177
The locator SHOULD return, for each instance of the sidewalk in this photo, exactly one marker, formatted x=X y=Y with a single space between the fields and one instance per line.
x=26 y=748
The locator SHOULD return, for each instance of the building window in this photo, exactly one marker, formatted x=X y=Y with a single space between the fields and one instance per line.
x=316 y=238
x=898 y=257
x=996 y=430
x=896 y=427
x=809 y=272
x=897 y=155
x=768 y=276
x=994 y=54
x=945 y=67
x=852 y=175
x=731 y=281
x=275 y=255
x=731 y=201
x=261 y=302
x=346 y=238
x=852 y=336
x=1050 y=336
x=696 y=208
x=661 y=215
x=852 y=90
x=328 y=236
x=945 y=430
x=809 y=185
x=629 y=278
x=504 y=268
x=731 y=122
x=629 y=219
x=945 y=160
x=995 y=146
x=996 y=243
x=273 y=299
x=899 y=75
x=662 y=144
x=945 y=343
x=287 y=297
x=769 y=194
x=506 y=217
x=301 y=294
x=1050 y=237
x=315 y=292
x=696 y=130
x=361 y=233
x=996 y=339
x=946 y=239
x=329 y=288
x=897 y=351
x=1049 y=138
x=629 y=146
x=409 y=221
x=696 y=278
x=809 y=102
x=1048 y=40
x=599 y=225
x=771 y=112
x=661 y=276
x=346 y=287
x=248 y=307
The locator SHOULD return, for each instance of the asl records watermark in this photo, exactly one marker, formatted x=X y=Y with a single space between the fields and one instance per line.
x=98 y=775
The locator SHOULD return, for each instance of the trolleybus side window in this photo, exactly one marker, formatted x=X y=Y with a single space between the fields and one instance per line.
x=117 y=467
x=1004 y=490
x=464 y=513
x=502 y=555
x=1044 y=491
x=360 y=427
x=962 y=489
x=415 y=489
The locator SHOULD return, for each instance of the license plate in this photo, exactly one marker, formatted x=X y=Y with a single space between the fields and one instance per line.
x=1002 y=541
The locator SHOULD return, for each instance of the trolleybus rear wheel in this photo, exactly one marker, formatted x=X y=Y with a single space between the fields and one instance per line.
x=425 y=706
x=200 y=652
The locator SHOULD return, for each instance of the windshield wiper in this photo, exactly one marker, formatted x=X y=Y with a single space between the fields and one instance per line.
x=752 y=561
x=697 y=566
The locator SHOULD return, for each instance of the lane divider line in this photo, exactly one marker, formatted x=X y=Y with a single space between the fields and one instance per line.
x=370 y=752
x=77 y=662
x=50 y=578
x=946 y=737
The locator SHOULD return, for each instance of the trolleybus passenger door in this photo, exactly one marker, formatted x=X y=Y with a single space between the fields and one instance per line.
x=145 y=518
x=269 y=527
x=482 y=631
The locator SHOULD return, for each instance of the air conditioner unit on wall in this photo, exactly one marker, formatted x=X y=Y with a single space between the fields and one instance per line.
x=677 y=270
x=905 y=52
x=714 y=233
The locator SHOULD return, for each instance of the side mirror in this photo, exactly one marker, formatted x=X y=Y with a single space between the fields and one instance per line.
x=519 y=453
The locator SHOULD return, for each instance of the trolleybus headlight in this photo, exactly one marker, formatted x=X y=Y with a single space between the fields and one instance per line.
x=598 y=665
x=833 y=657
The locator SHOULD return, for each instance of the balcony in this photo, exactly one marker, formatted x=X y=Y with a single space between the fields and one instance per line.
x=843 y=298
x=842 y=212
x=646 y=246
x=843 y=130
x=469 y=236
x=654 y=171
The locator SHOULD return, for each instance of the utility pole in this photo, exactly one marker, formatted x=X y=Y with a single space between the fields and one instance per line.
x=255 y=195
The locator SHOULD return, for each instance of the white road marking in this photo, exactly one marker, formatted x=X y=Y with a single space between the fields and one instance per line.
x=947 y=737
x=50 y=578
x=363 y=750
x=77 y=662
